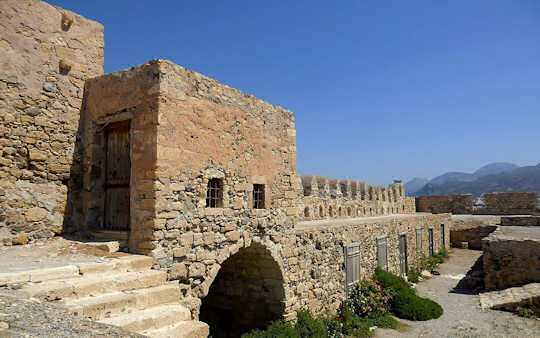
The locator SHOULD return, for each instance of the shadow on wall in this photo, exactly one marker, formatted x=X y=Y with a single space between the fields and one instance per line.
x=473 y=282
x=246 y=294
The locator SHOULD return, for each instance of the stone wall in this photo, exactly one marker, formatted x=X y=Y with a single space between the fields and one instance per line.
x=323 y=198
x=46 y=54
x=521 y=220
x=314 y=260
x=472 y=229
x=511 y=257
x=510 y=203
x=455 y=204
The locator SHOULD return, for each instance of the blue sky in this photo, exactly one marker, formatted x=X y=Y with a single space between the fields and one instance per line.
x=380 y=89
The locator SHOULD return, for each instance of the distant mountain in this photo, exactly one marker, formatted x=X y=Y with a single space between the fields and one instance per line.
x=415 y=184
x=456 y=176
x=494 y=168
x=520 y=179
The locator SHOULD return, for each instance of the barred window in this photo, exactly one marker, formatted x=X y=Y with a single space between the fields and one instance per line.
x=214 y=194
x=258 y=196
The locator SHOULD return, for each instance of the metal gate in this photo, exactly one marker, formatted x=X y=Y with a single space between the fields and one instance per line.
x=403 y=261
x=431 y=248
x=117 y=176
x=382 y=258
x=352 y=264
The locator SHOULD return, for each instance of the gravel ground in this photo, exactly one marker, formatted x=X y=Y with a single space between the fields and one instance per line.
x=21 y=317
x=462 y=314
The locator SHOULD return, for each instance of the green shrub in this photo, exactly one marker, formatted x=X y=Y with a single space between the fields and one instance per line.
x=413 y=276
x=405 y=303
x=443 y=253
x=368 y=299
x=351 y=324
x=277 y=329
x=308 y=326
x=395 y=284
x=412 y=307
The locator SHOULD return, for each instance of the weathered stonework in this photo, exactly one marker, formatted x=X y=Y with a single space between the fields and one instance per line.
x=43 y=68
x=327 y=199
x=511 y=257
x=521 y=220
x=510 y=203
x=455 y=204
x=237 y=259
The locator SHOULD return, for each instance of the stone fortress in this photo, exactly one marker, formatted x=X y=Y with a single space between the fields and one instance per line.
x=194 y=174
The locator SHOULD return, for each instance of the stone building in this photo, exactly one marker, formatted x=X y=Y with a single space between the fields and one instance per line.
x=195 y=174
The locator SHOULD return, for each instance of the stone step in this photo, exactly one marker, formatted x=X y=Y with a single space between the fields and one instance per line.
x=121 y=264
x=150 y=319
x=508 y=298
x=128 y=263
x=94 y=284
x=184 y=329
x=117 y=303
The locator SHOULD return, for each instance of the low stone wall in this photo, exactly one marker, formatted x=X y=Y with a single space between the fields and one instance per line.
x=511 y=257
x=472 y=236
x=472 y=229
x=510 y=203
x=455 y=204
x=314 y=259
x=521 y=221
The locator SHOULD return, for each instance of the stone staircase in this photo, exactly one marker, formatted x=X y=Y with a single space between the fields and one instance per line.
x=122 y=291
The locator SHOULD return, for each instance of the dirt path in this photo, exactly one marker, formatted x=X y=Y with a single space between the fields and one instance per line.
x=462 y=314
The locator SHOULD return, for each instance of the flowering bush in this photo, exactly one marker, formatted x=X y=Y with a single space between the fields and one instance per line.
x=368 y=299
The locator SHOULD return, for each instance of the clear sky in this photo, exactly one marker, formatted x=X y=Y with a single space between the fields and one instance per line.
x=380 y=89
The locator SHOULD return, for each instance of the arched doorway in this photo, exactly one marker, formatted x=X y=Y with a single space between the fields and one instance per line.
x=246 y=294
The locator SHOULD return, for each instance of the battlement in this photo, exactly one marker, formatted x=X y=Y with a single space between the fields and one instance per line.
x=323 y=198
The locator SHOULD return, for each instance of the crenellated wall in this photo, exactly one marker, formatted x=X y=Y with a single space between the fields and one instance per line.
x=323 y=198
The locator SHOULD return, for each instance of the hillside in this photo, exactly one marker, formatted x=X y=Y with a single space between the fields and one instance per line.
x=520 y=179
x=414 y=185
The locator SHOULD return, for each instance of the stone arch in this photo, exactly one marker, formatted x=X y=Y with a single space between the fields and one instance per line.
x=349 y=212
x=330 y=211
x=339 y=212
x=247 y=293
x=321 y=211
x=306 y=212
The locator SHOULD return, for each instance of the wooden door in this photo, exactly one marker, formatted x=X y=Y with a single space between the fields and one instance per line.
x=117 y=177
x=404 y=264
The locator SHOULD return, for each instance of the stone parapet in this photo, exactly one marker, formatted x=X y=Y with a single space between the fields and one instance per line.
x=322 y=198
x=455 y=204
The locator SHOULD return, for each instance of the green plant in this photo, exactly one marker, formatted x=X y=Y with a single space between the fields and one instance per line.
x=405 y=303
x=309 y=326
x=528 y=310
x=277 y=329
x=413 y=276
x=413 y=307
x=368 y=299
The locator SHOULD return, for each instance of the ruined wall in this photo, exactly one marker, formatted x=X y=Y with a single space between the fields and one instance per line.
x=46 y=54
x=455 y=204
x=521 y=220
x=322 y=198
x=511 y=257
x=313 y=258
x=510 y=203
